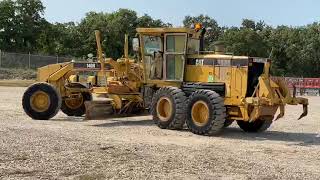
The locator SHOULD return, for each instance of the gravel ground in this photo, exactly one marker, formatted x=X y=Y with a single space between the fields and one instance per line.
x=134 y=148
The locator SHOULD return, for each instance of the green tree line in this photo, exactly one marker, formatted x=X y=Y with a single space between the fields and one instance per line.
x=295 y=51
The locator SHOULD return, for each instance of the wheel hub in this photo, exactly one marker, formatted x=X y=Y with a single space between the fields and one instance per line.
x=200 y=113
x=74 y=103
x=40 y=101
x=164 y=109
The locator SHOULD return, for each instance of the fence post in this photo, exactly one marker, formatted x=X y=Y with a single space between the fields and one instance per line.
x=29 y=60
x=0 y=58
x=57 y=59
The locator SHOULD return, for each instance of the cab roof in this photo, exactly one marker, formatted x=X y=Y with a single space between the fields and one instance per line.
x=165 y=30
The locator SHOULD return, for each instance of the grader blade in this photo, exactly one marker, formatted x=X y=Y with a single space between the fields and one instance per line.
x=282 y=111
x=290 y=99
x=305 y=111
x=301 y=101
x=96 y=110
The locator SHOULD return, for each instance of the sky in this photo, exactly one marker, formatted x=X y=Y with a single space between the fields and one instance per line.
x=225 y=12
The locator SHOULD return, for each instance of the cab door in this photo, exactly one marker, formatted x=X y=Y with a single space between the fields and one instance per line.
x=152 y=48
x=174 y=56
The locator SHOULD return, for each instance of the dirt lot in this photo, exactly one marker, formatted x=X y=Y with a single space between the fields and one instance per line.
x=134 y=148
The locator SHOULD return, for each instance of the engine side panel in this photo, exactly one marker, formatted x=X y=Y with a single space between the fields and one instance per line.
x=231 y=72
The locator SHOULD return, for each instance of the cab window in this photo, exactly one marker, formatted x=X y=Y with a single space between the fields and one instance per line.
x=176 y=43
x=153 y=55
x=193 y=46
x=175 y=57
x=152 y=44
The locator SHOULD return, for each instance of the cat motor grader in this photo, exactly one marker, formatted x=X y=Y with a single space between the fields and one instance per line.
x=60 y=86
x=207 y=90
x=176 y=80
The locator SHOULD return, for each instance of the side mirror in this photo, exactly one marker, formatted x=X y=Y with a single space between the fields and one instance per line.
x=135 y=44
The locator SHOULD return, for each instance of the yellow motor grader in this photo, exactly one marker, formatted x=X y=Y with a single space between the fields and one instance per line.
x=60 y=87
x=175 y=79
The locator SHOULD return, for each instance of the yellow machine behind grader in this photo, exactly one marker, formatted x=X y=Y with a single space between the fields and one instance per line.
x=174 y=78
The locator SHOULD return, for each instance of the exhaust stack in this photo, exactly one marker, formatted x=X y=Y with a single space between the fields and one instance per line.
x=219 y=48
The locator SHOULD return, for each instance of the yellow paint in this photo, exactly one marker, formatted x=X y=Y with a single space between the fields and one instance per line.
x=268 y=97
x=161 y=83
x=92 y=80
x=45 y=72
x=238 y=82
x=117 y=100
x=164 y=30
x=164 y=109
x=40 y=101
x=61 y=72
x=200 y=113
x=73 y=78
x=74 y=103
x=99 y=90
x=234 y=78
x=198 y=74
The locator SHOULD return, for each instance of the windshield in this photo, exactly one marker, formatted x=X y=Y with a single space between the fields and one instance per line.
x=152 y=44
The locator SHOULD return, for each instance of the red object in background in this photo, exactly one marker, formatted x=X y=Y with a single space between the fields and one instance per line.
x=311 y=83
x=303 y=83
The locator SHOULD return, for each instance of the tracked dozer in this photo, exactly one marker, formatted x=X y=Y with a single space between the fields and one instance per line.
x=174 y=79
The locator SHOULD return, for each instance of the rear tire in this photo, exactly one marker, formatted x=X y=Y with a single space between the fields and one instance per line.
x=168 y=108
x=257 y=126
x=47 y=107
x=206 y=113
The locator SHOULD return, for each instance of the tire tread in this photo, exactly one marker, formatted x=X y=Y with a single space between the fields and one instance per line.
x=179 y=98
x=218 y=117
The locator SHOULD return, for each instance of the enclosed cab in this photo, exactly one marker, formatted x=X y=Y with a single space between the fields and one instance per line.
x=216 y=88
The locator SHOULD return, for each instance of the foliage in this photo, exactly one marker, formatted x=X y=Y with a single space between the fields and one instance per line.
x=295 y=51
x=211 y=25
x=20 y=24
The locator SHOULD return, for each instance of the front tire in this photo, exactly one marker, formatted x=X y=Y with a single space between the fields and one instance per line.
x=168 y=108
x=206 y=113
x=41 y=101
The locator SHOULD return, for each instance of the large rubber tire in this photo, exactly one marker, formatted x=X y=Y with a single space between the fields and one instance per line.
x=256 y=126
x=54 y=105
x=177 y=98
x=216 y=113
x=81 y=110
x=148 y=93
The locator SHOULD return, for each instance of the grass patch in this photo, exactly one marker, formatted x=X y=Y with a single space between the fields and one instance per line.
x=17 y=74
x=16 y=83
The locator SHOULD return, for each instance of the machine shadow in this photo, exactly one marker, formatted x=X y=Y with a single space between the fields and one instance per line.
x=69 y=119
x=125 y=123
x=302 y=139
x=109 y=118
